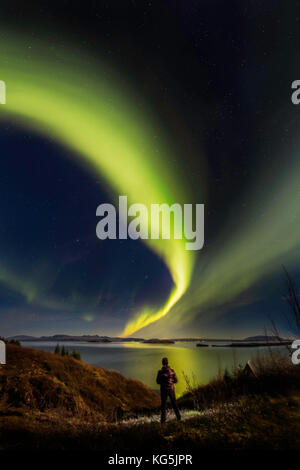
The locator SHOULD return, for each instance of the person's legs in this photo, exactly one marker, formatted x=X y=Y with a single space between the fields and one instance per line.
x=174 y=404
x=163 y=396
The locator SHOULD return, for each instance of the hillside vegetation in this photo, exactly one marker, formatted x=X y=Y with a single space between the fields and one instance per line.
x=38 y=381
x=274 y=376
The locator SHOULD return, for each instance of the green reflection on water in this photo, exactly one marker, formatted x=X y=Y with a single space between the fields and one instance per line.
x=200 y=364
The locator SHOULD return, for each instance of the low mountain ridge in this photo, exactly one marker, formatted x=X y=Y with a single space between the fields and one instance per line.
x=263 y=338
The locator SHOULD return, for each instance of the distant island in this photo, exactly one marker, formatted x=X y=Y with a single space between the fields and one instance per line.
x=159 y=341
x=251 y=342
x=100 y=340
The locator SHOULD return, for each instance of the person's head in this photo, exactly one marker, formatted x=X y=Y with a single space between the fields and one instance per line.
x=164 y=361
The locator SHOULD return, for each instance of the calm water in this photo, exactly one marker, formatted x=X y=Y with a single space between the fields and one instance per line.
x=141 y=361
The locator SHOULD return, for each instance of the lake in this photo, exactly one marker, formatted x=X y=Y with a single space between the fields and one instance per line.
x=141 y=361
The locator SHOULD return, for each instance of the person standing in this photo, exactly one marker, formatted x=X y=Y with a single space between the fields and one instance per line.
x=166 y=378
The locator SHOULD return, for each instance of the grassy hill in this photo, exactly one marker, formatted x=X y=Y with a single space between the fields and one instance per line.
x=37 y=381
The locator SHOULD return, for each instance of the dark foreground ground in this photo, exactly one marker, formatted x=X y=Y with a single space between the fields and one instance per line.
x=261 y=424
x=234 y=412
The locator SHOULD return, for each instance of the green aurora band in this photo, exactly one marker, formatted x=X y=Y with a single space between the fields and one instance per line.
x=254 y=245
x=80 y=105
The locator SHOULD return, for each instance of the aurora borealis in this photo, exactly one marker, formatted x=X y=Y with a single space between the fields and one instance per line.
x=169 y=107
x=93 y=122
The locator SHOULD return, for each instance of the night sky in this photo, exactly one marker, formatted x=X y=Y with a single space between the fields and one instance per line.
x=163 y=101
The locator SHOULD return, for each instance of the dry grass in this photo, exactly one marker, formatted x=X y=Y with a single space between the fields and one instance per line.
x=275 y=376
x=39 y=381
x=258 y=423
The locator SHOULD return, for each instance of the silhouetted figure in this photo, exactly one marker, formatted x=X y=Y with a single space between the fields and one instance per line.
x=166 y=378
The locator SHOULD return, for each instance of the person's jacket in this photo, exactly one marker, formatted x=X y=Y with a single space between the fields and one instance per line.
x=166 y=378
